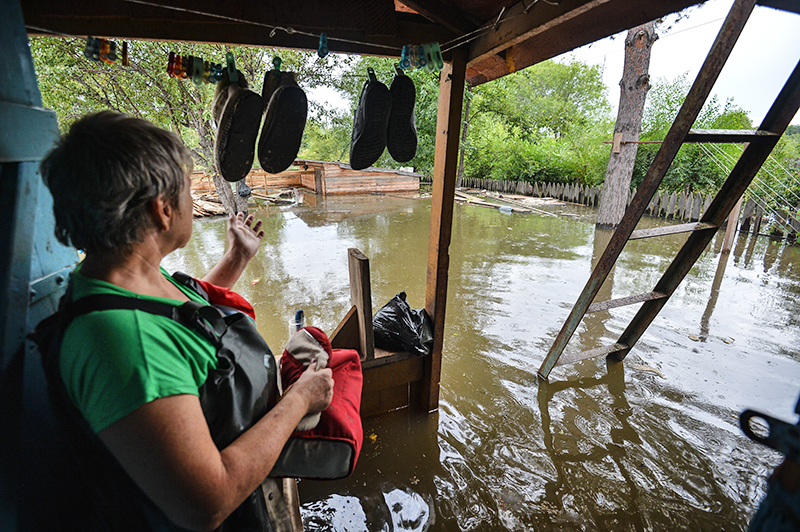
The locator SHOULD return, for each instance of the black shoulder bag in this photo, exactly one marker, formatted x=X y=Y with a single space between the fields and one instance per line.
x=237 y=393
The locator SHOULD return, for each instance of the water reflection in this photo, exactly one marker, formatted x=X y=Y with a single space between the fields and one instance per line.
x=651 y=443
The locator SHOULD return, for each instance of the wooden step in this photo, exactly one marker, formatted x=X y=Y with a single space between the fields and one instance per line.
x=671 y=230
x=623 y=301
x=591 y=353
x=726 y=135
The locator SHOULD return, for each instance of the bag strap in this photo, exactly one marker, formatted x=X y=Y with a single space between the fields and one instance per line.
x=204 y=319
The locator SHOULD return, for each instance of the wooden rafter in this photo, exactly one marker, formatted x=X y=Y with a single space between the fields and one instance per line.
x=441 y=14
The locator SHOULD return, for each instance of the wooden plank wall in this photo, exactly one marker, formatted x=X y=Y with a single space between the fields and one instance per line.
x=341 y=179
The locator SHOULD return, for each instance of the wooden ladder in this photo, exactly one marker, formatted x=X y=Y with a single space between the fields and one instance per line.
x=760 y=143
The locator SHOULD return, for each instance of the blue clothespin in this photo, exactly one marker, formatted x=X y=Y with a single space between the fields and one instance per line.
x=216 y=72
x=233 y=76
x=422 y=61
x=405 y=62
x=322 y=51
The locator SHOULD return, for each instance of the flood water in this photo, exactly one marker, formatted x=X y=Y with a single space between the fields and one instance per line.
x=652 y=443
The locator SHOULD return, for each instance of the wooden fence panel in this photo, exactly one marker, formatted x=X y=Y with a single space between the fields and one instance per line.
x=673 y=198
x=697 y=204
x=707 y=203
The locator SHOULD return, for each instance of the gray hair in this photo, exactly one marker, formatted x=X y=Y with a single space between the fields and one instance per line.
x=104 y=173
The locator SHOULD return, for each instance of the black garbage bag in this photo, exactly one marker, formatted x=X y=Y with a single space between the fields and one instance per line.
x=399 y=328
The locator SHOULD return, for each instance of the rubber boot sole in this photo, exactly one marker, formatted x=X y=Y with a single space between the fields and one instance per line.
x=368 y=144
x=401 y=138
x=235 y=145
x=283 y=128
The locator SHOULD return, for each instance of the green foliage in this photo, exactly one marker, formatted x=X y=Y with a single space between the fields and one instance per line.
x=544 y=123
x=73 y=86
x=697 y=167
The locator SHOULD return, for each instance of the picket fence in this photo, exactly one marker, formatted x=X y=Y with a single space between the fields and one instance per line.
x=674 y=206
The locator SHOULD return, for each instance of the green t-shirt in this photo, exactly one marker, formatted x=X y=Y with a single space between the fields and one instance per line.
x=114 y=361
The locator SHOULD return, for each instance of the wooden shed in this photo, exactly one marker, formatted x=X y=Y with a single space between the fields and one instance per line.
x=337 y=178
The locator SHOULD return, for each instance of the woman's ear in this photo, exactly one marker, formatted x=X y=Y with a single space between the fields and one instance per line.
x=162 y=212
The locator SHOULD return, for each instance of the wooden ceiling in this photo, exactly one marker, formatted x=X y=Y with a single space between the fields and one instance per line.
x=528 y=31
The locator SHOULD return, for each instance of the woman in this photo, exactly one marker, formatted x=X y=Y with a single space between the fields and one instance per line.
x=121 y=192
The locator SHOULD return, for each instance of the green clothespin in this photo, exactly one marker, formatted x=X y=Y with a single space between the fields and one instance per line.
x=372 y=76
x=233 y=76
x=197 y=71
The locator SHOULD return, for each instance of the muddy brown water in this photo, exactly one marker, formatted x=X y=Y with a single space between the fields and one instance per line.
x=649 y=444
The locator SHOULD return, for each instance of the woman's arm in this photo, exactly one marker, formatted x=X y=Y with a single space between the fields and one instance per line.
x=243 y=237
x=166 y=448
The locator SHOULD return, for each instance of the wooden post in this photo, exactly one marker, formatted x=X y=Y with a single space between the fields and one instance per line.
x=451 y=97
x=361 y=298
x=730 y=230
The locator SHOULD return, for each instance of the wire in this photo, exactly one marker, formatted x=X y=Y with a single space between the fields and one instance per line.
x=760 y=185
x=764 y=170
x=274 y=28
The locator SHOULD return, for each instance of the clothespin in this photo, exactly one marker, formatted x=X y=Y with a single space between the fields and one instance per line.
x=413 y=56
x=276 y=63
x=322 y=51
x=421 y=59
x=92 y=49
x=104 y=49
x=436 y=52
x=216 y=72
x=112 y=56
x=176 y=65
x=233 y=76
x=197 y=71
x=125 y=60
x=187 y=66
x=372 y=77
x=405 y=62
x=429 y=64
x=206 y=72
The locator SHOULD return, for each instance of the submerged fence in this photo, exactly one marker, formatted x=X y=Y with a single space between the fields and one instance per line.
x=669 y=205
x=673 y=206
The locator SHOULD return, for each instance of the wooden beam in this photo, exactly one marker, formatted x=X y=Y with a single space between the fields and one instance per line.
x=235 y=22
x=730 y=231
x=448 y=126
x=550 y=29
x=361 y=298
x=443 y=15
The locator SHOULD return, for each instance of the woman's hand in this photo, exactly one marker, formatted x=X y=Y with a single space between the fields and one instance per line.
x=244 y=237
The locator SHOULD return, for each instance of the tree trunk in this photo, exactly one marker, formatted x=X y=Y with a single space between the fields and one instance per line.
x=232 y=202
x=633 y=89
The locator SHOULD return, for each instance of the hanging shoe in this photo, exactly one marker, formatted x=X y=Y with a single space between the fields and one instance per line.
x=370 y=123
x=401 y=135
x=284 y=121
x=236 y=111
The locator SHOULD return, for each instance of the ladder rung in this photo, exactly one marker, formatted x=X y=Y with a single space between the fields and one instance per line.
x=623 y=301
x=591 y=353
x=671 y=230
x=726 y=135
